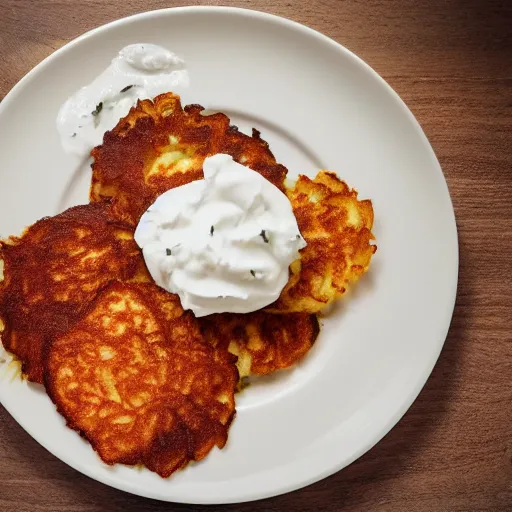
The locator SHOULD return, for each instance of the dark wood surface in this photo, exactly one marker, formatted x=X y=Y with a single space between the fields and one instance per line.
x=451 y=61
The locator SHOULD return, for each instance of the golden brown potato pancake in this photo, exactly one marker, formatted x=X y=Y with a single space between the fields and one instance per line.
x=160 y=145
x=337 y=227
x=263 y=342
x=137 y=380
x=53 y=271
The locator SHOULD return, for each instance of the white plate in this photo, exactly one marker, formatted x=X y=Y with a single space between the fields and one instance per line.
x=319 y=106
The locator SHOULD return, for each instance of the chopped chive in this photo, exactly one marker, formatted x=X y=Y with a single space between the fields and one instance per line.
x=127 y=88
x=168 y=252
x=212 y=229
x=253 y=273
x=74 y=135
x=98 y=109
x=263 y=235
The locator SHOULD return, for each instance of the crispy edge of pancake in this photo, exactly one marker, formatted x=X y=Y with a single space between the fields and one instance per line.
x=45 y=289
x=137 y=380
x=263 y=342
x=159 y=145
x=338 y=229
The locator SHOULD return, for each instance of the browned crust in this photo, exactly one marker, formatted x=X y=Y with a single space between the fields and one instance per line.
x=122 y=164
x=337 y=227
x=136 y=379
x=263 y=342
x=50 y=276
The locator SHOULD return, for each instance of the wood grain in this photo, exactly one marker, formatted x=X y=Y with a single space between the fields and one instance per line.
x=451 y=61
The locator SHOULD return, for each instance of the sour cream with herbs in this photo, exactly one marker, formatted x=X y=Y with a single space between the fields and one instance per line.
x=140 y=71
x=224 y=243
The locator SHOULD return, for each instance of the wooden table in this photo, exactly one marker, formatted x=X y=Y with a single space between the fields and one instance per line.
x=451 y=61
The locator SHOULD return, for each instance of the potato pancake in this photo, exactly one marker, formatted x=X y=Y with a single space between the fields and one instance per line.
x=159 y=145
x=263 y=342
x=137 y=380
x=53 y=271
x=337 y=227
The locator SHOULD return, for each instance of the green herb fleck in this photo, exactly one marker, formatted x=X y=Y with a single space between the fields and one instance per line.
x=127 y=88
x=263 y=235
x=253 y=273
x=98 y=109
x=168 y=252
x=212 y=229
x=74 y=135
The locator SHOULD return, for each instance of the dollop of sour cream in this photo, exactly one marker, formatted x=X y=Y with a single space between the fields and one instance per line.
x=139 y=71
x=224 y=243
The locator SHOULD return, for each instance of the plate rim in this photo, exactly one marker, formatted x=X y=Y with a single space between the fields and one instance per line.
x=451 y=292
